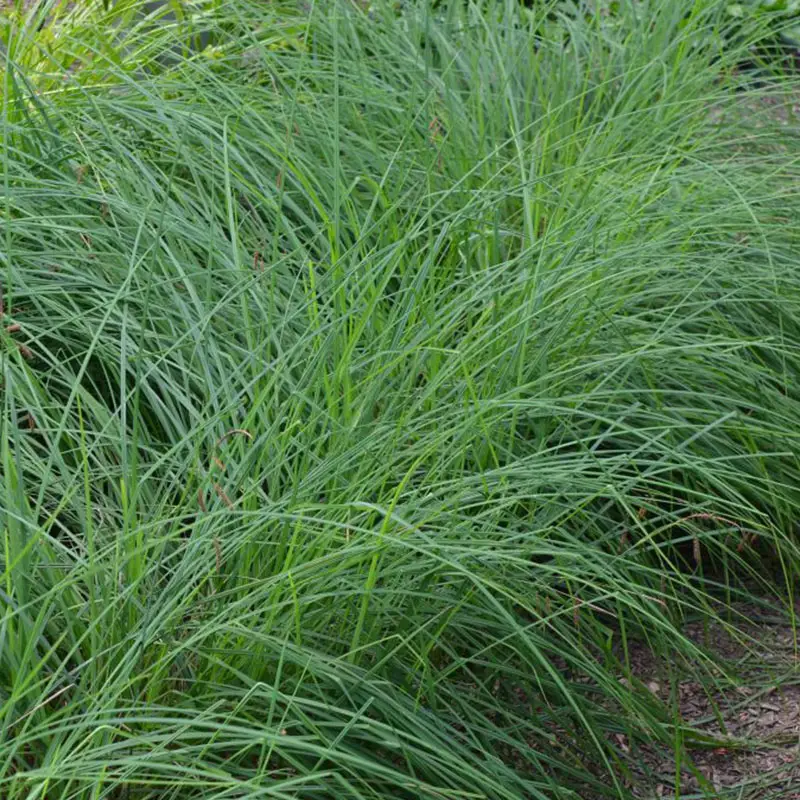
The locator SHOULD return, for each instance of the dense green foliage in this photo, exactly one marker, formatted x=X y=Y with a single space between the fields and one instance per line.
x=781 y=17
x=370 y=381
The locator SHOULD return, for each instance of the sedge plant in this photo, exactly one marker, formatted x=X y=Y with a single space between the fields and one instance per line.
x=372 y=379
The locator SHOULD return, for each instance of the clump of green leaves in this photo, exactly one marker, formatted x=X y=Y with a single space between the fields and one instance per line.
x=371 y=382
x=780 y=17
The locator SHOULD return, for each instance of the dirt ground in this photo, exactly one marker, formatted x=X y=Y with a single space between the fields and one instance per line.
x=756 y=724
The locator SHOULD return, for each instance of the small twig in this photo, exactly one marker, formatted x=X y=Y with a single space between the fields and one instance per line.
x=43 y=703
x=234 y=432
x=579 y=603
x=660 y=601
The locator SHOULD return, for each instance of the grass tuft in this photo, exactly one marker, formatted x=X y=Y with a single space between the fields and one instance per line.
x=372 y=381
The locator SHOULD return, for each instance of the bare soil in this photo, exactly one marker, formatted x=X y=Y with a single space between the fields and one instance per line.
x=752 y=725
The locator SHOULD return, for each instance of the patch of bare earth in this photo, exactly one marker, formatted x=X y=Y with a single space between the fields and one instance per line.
x=743 y=737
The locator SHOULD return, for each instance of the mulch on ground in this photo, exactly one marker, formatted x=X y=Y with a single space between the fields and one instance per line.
x=754 y=719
